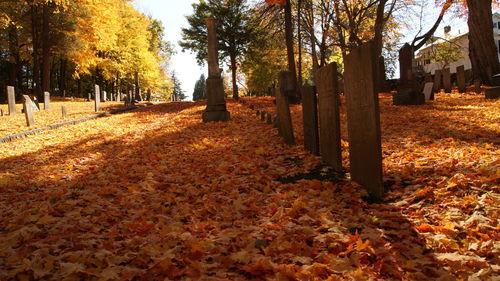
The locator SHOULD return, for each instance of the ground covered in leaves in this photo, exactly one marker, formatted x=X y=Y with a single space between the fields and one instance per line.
x=76 y=108
x=155 y=194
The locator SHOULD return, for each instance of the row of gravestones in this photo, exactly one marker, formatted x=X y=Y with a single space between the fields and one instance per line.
x=321 y=116
x=29 y=106
x=129 y=98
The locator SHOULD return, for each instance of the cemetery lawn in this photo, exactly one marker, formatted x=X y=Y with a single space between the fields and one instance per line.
x=78 y=108
x=155 y=194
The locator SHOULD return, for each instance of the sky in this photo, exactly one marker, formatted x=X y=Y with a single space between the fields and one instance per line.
x=172 y=14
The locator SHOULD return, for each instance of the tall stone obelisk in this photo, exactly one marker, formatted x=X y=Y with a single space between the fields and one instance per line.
x=216 y=104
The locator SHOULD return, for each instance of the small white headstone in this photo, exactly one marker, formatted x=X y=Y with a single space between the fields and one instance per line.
x=33 y=106
x=428 y=90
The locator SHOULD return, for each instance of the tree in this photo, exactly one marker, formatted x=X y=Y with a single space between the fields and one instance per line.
x=234 y=32
x=199 y=88
x=177 y=92
x=482 y=49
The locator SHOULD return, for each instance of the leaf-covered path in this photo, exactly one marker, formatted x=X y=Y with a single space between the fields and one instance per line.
x=157 y=195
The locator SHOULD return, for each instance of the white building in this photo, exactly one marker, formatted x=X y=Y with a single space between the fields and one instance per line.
x=460 y=35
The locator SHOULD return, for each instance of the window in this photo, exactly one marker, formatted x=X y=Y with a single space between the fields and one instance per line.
x=498 y=25
x=494 y=25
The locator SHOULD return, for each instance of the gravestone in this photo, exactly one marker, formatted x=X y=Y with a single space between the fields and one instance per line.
x=257 y=113
x=477 y=86
x=492 y=93
x=11 y=97
x=446 y=80
x=97 y=100
x=285 y=126
x=46 y=100
x=437 y=81
x=263 y=115
x=461 y=79
x=310 y=117
x=329 y=115
x=216 y=104
x=406 y=57
x=363 y=119
x=28 y=111
x=63 y=111
x=428 y=90
x=36 y=103
x=269 y=119
x=89 y=97
x=409 y=91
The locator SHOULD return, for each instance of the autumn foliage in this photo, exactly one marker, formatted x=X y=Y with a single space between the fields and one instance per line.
x=156 y=194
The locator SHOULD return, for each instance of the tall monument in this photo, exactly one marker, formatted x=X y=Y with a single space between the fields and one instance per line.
x=216 y=104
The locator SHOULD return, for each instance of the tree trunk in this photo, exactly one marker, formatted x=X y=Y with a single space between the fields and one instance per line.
x=289 y=49
x=233 y=75
x=46 y=56
x=62 y=75
x=299 y=38
x=37 y=83
x=482 y=50
x=14 y=56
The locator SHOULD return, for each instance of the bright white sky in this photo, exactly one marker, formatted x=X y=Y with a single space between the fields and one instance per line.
x=172 y=14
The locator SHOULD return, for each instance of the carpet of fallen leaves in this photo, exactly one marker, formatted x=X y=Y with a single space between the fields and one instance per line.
x=155 y=194
x=76 y=108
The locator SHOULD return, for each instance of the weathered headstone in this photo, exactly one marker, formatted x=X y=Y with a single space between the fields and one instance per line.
x=447 y=80
x=46 y=100
x=285 y=126
x=97 y=100
x=216 y=104
x=428 y=90
x=409 y=91
x=329 y=115
x=11 y=97
x=310 y=117
x=461 y=79
x=363 y=120
x=257 y=113
x=89 y=97
x=269 y=119
x=437 y=81
x=28 y=111
x=492 y=93
x=263 y=115
x=63 y=111
x=406 y=56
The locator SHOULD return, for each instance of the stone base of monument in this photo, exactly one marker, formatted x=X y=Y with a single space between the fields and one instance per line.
x=215 y=116
x=216 y=104
x=492 y=93
x=408 y=97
